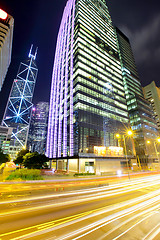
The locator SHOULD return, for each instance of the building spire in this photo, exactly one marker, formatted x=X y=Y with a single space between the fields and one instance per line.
x=30 y=55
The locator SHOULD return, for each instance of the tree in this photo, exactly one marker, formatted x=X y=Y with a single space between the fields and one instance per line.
x=4 y=157
x=35 y=160
x=20 y=155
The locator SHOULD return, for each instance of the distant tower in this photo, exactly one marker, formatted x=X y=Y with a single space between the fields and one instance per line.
x=152 y=94
x=6 y=37
x=18 y=109
x=140 y=112
x=38 y=127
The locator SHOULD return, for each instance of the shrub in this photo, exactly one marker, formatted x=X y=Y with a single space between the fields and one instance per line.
x=83 y=174
x=25 y=174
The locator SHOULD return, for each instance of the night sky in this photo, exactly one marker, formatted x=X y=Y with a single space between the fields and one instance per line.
x=37 y=22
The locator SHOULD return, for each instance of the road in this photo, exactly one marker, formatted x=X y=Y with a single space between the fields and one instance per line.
x=126 y=210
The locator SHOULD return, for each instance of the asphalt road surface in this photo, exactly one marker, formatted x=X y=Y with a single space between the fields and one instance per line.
x=127 y=210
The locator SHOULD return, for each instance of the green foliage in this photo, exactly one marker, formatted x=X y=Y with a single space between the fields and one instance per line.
x=83 y=174
x=4 y=157
x=23 y=152
x=20 y=155
x=19 y=160
x=35 y=160
x=25 y=174
x=31 y=160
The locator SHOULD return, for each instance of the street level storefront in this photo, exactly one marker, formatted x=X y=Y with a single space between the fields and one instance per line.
x=95 y=164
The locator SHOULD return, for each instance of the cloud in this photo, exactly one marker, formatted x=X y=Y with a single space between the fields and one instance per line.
x=145 y=41
x=157 y=54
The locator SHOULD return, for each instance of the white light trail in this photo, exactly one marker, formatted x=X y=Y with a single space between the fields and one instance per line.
x=91 y=214
x=155 y=180
x=111 y=218
x=152 y=233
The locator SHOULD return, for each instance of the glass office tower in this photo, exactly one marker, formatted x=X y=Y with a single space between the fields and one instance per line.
x=38 y=128
x=152 y=94
x=140 y=110
x=87 y=103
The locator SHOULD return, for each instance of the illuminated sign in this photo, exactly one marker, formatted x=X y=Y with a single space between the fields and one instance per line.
x=108 y=151
x=3 y=14
x=100 y=151
x=115 y=151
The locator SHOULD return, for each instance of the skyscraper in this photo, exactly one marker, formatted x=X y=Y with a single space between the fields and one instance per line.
x=87 y=103
x=18 y=109
x=6 y=37
x=152 y=94
x=5 y=137
x=38 y=128
x=140 y=110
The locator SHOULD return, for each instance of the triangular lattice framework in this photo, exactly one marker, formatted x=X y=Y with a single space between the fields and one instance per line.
x=18 y=109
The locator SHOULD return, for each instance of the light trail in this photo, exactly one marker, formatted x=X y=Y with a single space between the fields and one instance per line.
x=54 y=225
x=87 y=191
x=151 y=233
x=105 y=221
x=127 y=221
x=134 y=225
x=154 y=234
x=92 y=197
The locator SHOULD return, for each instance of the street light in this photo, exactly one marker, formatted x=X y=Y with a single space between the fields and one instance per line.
x=117 y=135
x=129 y=133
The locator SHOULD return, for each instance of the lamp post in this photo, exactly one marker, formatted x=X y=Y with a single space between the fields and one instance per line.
x=129 y=133
x=156 y=141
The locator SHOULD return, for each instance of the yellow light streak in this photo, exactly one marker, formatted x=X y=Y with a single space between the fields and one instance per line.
x=44 y=225
x=77 y=218
x=134 y=225
x=97 y=189
x=128 y=220
x=92 y=197
x=151 y=232
x=105 y=221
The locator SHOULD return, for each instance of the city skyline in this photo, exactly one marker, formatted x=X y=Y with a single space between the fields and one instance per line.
x=28 y=31
x=80 y=120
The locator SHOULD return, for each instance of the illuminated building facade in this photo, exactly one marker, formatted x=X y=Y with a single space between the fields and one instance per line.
x=38 y=128
x=140 y=110
x=87 y=102
x=6 y=37
x=18 y=109
x=152 y=94
x=5 y=137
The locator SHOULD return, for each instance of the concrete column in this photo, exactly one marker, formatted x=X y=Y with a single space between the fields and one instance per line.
x=78 y=165
x=68 y=165
x=56 y=164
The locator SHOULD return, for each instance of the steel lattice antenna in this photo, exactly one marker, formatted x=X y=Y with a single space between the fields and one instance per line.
x=18 y=109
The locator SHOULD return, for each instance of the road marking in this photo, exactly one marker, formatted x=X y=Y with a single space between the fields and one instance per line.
x=108 y=220
x=46 y=226
x=43 y=225
x=90 y=198
x=77 y=218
